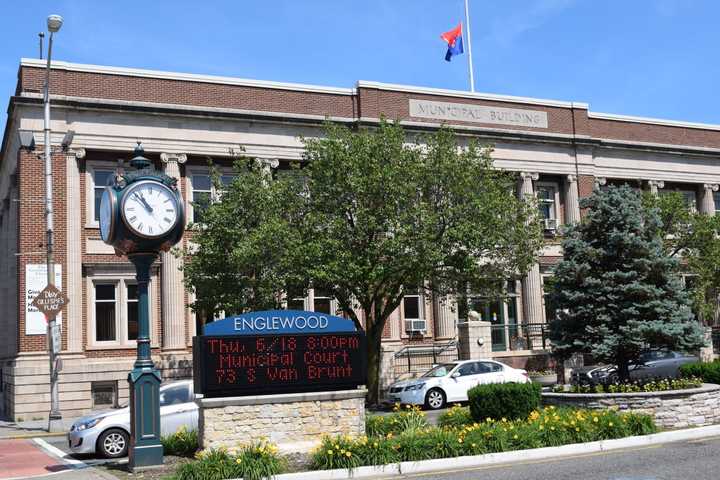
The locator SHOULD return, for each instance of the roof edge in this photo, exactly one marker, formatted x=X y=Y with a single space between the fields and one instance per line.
x=187 y=77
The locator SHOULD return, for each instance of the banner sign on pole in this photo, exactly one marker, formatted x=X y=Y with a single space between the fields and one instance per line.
x=35 y=282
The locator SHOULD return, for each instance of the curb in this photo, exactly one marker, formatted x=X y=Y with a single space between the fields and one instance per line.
x=458 y=463
x=32 y=435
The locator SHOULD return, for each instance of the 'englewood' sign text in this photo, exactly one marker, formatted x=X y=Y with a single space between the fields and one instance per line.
x=466 y=112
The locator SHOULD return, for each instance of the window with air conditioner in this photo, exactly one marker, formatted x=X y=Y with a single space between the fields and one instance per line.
x=548 y=199
x=414 y=313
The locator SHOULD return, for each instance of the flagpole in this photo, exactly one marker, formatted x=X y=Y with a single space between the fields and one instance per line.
x=469 y=41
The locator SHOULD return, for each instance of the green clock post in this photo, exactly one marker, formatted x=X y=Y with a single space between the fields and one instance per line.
x=141 y=214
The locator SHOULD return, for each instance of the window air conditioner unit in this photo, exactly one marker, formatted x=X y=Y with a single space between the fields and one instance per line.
x=550 y=224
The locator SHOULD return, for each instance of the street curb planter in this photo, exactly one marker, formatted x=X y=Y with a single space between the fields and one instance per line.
x=544 y=380
x=477 y=461
x=692 y=407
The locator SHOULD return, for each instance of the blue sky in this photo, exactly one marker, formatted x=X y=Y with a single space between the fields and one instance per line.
x=655 y=58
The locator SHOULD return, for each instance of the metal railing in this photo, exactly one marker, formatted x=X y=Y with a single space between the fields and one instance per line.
x=417 y=358
x=527 y=336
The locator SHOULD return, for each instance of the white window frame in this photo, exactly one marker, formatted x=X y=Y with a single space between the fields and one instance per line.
x=421 y=311
x=120 y=281
x=90 y=168
x=555 y=211
x=214 y=194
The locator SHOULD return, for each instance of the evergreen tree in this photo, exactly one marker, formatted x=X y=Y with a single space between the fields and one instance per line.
x=616 y=290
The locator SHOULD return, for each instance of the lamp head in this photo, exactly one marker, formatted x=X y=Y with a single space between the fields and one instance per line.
x=54 y=22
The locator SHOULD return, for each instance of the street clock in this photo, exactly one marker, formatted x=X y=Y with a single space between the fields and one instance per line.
x=142 y=210
x=141 y=214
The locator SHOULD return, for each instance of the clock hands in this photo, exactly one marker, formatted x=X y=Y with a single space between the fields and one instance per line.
x=142 y=200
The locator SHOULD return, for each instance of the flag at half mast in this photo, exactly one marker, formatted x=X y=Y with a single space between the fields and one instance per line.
x=454 y=40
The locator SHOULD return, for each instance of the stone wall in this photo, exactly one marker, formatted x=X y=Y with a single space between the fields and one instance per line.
x=295 y=421
x=694 y=407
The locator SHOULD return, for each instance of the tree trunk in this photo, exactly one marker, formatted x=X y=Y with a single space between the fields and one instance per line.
x=374 y=337
x=623 y=370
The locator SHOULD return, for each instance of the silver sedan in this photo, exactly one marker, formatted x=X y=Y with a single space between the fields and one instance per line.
x=108 y=432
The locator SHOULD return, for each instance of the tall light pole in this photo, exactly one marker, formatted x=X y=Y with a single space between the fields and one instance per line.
x=54 y=22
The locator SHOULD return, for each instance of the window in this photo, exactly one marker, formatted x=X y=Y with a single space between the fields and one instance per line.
x=413 y=313
x=99 y=177
x=689 y=196
x=204 y=193
x=322 y=301
x=548 y=200
x=115 y=312
x=550 y=308
x=716 y=198
x=175 y=395
x=295 y=299
x=104 y=394
x=105 y=313
x=490 y=367
x=471 y=368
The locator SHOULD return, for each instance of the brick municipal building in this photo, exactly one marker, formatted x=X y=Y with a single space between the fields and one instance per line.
x=560 y=151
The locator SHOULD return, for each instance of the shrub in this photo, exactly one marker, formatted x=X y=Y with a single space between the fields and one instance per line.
x=541 y=428
x=183 y=443
x=251 y=462
x=456 y=417
x=709 y=372
x=503 y=400
x=409 y=418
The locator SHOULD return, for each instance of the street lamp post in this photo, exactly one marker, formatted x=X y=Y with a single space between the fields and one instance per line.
x=54 y=22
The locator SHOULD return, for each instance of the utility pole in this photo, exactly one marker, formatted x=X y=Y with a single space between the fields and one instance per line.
x=54 y=22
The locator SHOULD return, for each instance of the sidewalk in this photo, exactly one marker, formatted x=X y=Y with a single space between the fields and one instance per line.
x=34 y=428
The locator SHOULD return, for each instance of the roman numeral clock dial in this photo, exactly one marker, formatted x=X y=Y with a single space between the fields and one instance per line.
x=149 y=209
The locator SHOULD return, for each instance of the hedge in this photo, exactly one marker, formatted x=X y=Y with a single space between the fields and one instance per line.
x=503 y=400
x=708 y=372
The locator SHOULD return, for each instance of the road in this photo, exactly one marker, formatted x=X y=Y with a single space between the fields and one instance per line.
x=692 y=460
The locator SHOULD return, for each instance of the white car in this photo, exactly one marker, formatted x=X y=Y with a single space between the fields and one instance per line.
x=450 y=382
x=108 y=432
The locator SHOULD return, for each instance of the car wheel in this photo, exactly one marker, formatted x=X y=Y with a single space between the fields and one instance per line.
x=435 y=399
x=113 y=443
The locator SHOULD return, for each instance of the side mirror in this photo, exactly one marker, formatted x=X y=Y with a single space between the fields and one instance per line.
x=455 y=375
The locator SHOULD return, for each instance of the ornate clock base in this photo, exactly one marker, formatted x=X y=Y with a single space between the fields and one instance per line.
x=145 y=447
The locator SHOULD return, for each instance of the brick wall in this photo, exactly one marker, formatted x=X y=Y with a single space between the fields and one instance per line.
x=32 y=228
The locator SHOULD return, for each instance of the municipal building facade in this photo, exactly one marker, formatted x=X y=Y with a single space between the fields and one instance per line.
x=560 y=151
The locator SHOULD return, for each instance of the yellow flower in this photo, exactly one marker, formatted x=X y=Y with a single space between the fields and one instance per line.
x=238 y=461
x=577 y=429
x=330 y=452
x=552 y=428
x=348 y=454
x=515 y=436
x=375 y=444
x=472 y=445
x=503 y=419
x=342 y=452
x=460 y=440
x=542 y=427
x=610 y=424
x=595 y=419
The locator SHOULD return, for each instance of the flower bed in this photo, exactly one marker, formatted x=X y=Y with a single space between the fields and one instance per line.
x=691 y=407
x=663 y=385
x=544 y=428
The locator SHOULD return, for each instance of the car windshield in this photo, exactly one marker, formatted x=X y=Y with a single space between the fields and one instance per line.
x=440 y=370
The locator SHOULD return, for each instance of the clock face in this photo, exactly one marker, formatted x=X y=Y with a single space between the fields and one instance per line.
x=149 y=209
x=106 y=214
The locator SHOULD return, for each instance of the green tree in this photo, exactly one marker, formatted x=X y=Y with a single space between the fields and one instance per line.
x=378 y=215
x=694 y=238
x=618 y=292
x=243 y=251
